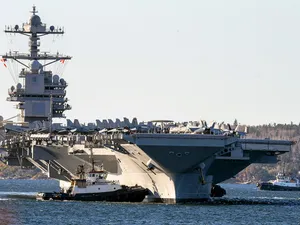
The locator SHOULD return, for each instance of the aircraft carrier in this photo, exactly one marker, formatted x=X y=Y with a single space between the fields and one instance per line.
x=177 y=162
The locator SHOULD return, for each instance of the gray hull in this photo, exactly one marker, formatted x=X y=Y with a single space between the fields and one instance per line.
x=175 y=168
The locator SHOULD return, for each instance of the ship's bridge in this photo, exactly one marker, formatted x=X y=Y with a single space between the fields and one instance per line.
x=39 y=93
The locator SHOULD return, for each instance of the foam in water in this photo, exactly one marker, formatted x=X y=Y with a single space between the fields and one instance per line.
x=17 y=195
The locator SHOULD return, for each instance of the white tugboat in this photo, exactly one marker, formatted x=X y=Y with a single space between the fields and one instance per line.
x=282 y=183
x=93 y=186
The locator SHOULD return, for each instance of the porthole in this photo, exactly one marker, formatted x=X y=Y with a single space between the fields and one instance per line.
x=178 y=154
x=171 y=152
x=187 y=153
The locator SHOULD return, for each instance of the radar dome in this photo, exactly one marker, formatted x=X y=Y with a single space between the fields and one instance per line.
x=35 y=20
x=55 y=79
x=35 y=65
x=62 y=81
x=19 y=86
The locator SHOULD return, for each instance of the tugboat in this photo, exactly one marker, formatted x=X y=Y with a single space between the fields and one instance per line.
x=282 y=183
x=94 y=187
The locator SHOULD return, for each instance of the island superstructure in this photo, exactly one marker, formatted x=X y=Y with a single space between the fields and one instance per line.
x=176 y=162
x=39 y=85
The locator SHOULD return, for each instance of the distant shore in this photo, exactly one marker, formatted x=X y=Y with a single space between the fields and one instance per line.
x=14 y=172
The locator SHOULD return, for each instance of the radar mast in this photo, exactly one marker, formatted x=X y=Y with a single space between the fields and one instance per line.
x=41 y=92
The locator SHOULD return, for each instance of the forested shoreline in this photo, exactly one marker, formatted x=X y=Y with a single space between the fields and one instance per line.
x=13 y=172
x=289 y=162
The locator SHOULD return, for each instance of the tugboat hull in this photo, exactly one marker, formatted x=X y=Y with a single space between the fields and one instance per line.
x=272 y=187
x=127 y=194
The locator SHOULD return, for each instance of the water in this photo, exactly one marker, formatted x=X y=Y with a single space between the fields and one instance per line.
x=244 y=204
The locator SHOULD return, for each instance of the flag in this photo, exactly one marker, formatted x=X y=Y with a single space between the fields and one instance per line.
x=4 y=65
x=62 y=61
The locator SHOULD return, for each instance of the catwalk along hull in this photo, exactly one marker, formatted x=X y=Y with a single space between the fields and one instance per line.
x=175 y=168
x=130 y=169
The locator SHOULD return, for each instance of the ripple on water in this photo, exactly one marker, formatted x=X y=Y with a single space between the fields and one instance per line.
x=242 y=205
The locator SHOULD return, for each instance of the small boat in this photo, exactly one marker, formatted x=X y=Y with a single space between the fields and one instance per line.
x=95 y=187
x=282 y=183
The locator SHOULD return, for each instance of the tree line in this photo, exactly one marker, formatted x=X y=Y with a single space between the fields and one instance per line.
x=289 y=162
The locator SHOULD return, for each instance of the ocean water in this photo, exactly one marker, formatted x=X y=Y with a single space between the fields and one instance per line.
x=244 y=204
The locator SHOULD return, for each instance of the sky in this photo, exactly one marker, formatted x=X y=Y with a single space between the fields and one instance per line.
x=168 y=59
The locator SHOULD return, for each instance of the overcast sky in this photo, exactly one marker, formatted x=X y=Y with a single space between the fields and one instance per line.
x=167 y=59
